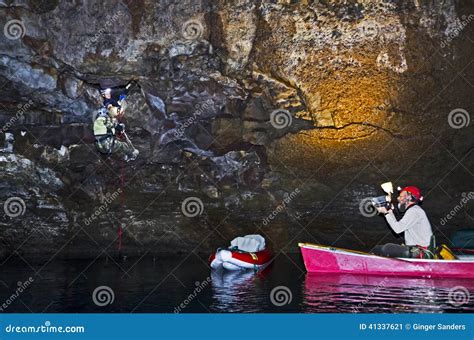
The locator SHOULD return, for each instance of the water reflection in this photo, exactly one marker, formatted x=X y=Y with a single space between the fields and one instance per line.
x=238 y=291
x=365 y=294
x=161 y=286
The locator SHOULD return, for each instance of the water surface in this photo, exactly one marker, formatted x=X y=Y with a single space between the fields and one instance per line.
x=185 y=284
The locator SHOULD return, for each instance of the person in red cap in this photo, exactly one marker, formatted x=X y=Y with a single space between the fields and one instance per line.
x=414 y=224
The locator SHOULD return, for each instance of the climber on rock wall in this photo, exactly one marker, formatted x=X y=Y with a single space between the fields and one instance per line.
x=109 y=100
x=109 y=132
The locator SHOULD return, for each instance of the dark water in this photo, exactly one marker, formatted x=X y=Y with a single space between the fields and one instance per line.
x=185 y=284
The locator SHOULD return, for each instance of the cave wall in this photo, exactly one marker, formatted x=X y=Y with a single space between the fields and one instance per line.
x=280 y=117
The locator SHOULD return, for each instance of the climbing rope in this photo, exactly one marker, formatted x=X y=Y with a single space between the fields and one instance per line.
x=123 y=136
x=122 y=204
x=122 y=197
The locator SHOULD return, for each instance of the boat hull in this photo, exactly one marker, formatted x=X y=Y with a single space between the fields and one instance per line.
x=235 y=261
x=321 y=259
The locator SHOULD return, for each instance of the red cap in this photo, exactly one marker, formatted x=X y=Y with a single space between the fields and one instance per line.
x=414 y=191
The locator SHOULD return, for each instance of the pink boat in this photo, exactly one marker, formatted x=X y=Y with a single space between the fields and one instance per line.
x=323 y=259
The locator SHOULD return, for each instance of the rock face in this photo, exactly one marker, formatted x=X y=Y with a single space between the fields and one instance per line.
x=271 y=117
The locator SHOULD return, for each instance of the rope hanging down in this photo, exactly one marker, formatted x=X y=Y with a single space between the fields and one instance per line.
x=122 y=195
x=122 y=136
x=122 y=205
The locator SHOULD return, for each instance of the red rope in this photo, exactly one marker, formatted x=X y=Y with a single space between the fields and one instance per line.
x=122 y=204
x=122 y=197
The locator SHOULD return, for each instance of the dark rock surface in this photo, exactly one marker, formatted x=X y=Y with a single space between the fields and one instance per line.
x=279 y=117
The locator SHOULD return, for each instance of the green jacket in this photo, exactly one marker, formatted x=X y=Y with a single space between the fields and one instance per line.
x=104 y=126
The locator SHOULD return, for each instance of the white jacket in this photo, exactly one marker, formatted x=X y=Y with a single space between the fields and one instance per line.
x=415 y=224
